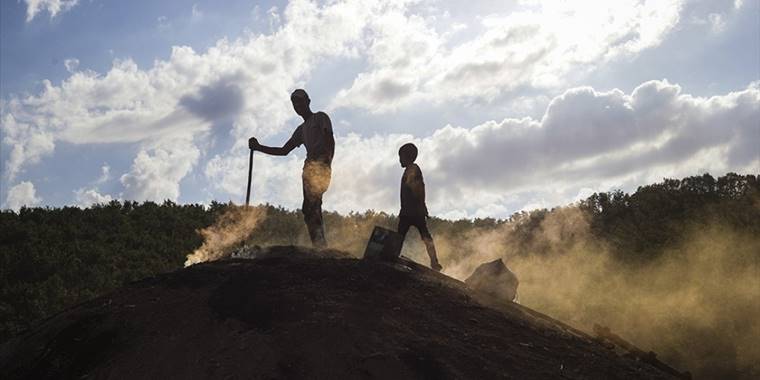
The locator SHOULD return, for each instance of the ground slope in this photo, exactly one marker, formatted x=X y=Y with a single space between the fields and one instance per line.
x=297 y=314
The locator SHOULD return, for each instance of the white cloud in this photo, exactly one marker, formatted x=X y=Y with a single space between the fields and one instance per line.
x=414 y=56
x=717 y=15
x=274 y=18
x=105 y=174
x=156 y=172
x=587 y=140
x=272 y=178
x=71 y=64
x=22 y=194
x=163 y=22
x=717 y=22
x=586 y=137
x=27 y=143
x=133 y=105
x=196 y=12
x=180 y=97
x=543 y=46
x=87 y=197
x=54 y=7
x=128 y=104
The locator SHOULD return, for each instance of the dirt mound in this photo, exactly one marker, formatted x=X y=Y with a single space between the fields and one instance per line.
x=307 y=316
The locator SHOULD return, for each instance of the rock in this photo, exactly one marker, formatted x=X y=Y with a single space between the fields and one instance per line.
x=495 y=279
x=383 y=244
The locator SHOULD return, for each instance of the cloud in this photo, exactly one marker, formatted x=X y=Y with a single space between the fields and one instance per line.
x=717 y=22
x=415 y=55
x=71 y=64
x=274 y=18
x=27 y=143
x=22 y=194
x=222 y=99
x=716 y=15
x=543 y=46
x=592 y=135
x=156 y=172
x=54 y=7
x=87 y=197
x=266 y=67
x=163 y=22
x=246 y=82
x=105 y=174
x=586 y=141
x=196 y=12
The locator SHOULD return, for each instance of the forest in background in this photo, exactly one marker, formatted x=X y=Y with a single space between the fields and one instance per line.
x=652 y=243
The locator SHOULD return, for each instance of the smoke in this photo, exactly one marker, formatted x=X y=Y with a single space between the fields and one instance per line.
x=351 y=233
x=228 y=232
x=696 y=305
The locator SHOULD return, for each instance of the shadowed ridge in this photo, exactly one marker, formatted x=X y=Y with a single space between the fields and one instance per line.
x=305 y=315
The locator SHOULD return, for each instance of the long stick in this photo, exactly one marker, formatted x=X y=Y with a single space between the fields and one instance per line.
x=250 y=171
x=243 y=246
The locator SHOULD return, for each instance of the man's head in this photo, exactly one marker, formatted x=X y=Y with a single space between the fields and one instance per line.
x=407 y=154
x=301 y=101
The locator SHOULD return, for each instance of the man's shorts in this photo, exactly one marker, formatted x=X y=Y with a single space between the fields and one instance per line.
x=316 y=179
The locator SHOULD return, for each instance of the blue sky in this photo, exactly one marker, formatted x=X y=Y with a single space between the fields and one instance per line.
x=514 y=104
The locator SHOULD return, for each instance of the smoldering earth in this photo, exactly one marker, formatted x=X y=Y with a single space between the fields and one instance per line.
x=695 y=305
x=229 y=230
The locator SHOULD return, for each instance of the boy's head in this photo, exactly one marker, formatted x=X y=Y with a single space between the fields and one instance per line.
x=407 y=154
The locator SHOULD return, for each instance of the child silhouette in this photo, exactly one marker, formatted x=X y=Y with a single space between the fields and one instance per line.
x=413 y=209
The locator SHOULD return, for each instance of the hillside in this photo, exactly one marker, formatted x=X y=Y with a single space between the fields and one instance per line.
x=297 y=313
x=655 y=265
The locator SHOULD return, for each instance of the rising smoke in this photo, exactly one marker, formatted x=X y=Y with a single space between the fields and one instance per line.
x=229 y=231
x=696 y=305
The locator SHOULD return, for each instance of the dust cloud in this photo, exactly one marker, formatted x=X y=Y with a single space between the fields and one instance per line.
x=229 y=231
x=697 y=306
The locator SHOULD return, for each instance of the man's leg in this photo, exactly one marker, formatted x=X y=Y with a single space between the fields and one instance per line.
x=316 y=179
x=421 y=225
x=312 y=215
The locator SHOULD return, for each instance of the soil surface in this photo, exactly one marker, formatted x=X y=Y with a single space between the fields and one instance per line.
x=297 y=313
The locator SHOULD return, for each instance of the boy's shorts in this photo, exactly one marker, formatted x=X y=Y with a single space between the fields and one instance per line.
x=406 y=221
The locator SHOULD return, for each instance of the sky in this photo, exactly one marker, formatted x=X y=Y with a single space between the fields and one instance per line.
x=514 y=105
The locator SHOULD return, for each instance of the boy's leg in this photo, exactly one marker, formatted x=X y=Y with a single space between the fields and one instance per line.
x=433 y=257
x=403 y=226
x=429 y=245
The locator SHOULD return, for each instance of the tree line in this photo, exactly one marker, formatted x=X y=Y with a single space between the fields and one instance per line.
x=53 y=258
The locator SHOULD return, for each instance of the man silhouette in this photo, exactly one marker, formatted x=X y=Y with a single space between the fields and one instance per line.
x=316 y=134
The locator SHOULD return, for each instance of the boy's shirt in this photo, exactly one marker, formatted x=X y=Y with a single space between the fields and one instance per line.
x=413 y=192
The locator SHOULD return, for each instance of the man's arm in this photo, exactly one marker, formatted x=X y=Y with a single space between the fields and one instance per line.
x=291 y=144
x=330 y=139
